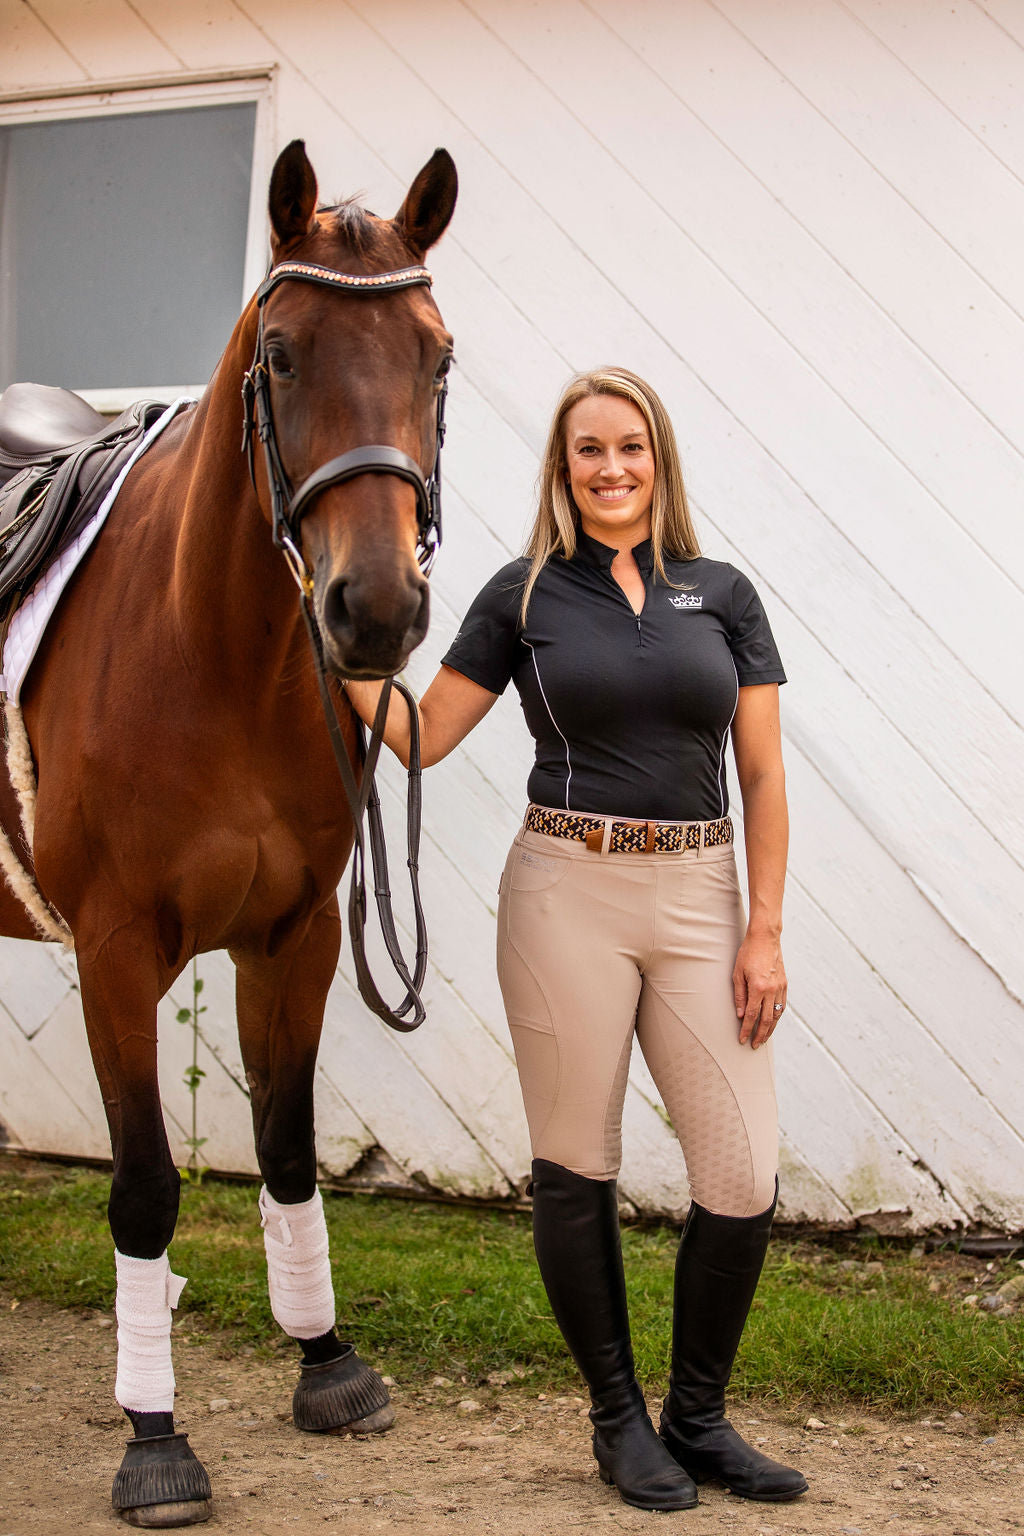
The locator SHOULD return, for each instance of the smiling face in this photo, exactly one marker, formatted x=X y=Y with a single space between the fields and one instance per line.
x=610 y=461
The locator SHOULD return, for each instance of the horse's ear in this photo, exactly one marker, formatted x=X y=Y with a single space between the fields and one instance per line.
x=429 y=204
x=292 y=194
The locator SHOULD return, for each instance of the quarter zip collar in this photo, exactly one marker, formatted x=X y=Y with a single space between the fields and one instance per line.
x=600 y=556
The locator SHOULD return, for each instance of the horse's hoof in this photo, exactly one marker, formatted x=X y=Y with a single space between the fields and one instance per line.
x=161 y=1483
x=342 y=1397
x=164 y=1516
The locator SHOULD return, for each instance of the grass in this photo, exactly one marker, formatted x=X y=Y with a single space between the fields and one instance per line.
x=427 y=1289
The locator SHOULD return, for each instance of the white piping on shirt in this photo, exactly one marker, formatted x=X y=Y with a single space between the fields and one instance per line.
x=725 y=738
x=554 y=722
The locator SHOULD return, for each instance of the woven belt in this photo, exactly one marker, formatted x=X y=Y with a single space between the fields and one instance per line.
x=628 y=836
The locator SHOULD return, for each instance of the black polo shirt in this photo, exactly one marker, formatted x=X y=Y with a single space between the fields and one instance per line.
x=630 y=713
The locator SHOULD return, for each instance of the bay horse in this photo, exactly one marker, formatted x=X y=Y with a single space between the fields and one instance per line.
x=187 y=795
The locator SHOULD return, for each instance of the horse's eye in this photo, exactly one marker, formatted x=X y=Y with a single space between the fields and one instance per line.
x=443 y=369
x=280 y=367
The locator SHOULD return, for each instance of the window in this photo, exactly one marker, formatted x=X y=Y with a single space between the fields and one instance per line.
x=126 y=239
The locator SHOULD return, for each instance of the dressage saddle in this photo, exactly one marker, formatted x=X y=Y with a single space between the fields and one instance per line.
x=58 y=459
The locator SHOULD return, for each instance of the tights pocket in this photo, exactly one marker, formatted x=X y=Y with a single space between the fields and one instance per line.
x=528 y=870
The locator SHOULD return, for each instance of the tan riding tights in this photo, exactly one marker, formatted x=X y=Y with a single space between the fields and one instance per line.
x=592 y=946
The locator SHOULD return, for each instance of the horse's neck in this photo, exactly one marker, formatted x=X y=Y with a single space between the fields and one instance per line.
x=233 y=595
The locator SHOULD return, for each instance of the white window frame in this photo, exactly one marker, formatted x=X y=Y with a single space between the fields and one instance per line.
x=210 y=89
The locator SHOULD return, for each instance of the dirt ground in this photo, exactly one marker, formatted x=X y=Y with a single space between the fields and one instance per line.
x=460 y=1458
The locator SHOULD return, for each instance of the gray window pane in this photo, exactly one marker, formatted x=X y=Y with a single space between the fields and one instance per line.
x=122 y=245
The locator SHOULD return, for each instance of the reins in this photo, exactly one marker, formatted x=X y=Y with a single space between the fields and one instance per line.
x=288 y=506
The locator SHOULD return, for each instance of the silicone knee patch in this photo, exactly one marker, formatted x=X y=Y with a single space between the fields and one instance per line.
x=146 y=1292
x=298 y=1265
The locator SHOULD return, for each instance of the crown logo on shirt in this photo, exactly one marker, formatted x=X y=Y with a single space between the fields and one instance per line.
x=686 y=600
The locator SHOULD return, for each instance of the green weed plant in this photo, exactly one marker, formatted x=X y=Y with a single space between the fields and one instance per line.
x=194 y=1074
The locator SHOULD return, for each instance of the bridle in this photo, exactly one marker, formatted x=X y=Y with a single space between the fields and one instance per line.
x=288 y=507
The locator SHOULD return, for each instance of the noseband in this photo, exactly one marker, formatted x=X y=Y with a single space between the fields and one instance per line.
x=288 y=509
x=289 y=506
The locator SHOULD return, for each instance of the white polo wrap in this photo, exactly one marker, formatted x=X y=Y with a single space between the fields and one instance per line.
x=298 y=1265
x=146 y=1292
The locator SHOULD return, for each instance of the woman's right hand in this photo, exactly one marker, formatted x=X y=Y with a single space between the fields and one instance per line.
x=448 y=711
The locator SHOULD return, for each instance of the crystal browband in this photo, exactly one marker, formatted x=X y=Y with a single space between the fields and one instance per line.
x=404 y=277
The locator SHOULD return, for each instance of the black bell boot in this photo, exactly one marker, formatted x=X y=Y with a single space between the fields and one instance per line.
x=576 y=1235
x=717 y=1270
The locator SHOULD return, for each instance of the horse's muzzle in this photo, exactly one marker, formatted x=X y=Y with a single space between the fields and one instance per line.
x=371 y=632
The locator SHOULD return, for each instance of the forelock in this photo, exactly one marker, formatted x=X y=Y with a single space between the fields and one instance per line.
x=354 y=224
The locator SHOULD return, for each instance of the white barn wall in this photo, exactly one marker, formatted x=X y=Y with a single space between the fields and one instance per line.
x=803 y=220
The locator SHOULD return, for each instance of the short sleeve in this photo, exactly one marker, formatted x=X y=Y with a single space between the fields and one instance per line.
x=751 y=641
x=488 y=645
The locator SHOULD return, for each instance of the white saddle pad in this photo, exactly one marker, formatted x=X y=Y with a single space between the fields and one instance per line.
x=37 y=609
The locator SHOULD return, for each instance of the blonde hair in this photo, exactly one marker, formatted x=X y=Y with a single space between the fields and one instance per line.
x=555 y=526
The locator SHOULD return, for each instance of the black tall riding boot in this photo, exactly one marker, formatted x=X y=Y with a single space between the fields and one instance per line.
x=717 y=1270
x=576 y=1235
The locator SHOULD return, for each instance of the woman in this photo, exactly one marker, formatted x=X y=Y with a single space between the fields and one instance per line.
x=620 y=909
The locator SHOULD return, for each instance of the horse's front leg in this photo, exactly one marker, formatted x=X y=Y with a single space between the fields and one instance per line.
x=160 y=1481
x=280 y=1013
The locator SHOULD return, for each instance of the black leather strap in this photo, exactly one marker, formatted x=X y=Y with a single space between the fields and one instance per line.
x=287 y=509
x=376 y=459
x=363 y=799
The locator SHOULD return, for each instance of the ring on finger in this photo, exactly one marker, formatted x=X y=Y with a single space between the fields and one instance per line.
x=777 y=1008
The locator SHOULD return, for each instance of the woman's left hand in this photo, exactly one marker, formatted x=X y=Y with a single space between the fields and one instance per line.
x=759 y=987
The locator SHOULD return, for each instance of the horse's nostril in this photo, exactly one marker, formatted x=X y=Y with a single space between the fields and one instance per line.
x=422 y=619
x=335 y=611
